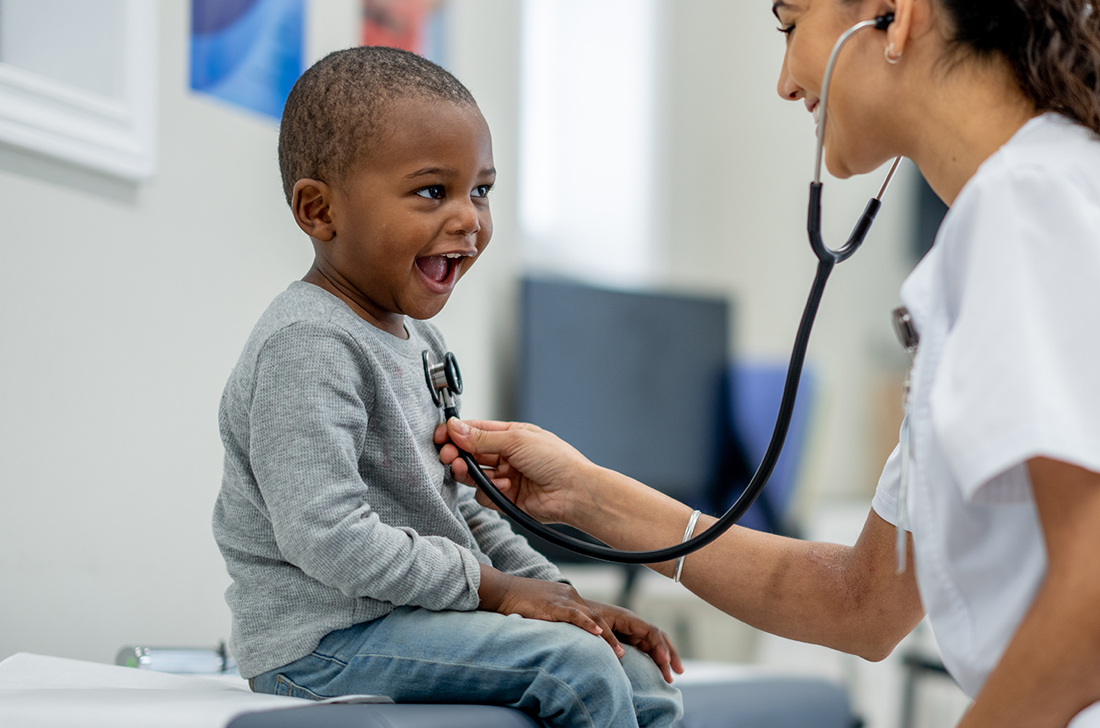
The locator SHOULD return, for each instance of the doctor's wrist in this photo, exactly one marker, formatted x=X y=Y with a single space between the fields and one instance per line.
x=595 y=498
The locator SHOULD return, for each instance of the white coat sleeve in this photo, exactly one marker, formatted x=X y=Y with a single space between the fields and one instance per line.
x=1020 y=371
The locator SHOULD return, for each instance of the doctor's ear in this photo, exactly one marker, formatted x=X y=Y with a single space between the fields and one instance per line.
x=913 y=20
x=311 y=203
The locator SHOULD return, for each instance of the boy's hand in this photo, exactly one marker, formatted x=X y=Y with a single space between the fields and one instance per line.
x=642 y=635
x=549 y=601
x=552 y=601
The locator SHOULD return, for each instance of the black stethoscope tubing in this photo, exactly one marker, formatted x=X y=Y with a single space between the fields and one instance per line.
x=827 y=259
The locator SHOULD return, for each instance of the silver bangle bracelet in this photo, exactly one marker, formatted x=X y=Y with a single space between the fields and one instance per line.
x=687 y=534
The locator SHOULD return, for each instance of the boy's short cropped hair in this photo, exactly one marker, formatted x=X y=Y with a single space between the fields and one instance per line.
x=335 y=108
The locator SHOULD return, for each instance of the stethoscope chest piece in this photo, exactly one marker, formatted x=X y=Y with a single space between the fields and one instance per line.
x=444 y=378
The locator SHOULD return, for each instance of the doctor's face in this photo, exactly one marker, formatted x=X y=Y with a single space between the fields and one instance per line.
x=857 y=129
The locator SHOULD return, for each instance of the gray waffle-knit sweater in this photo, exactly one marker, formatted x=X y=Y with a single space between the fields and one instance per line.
x=334 y=508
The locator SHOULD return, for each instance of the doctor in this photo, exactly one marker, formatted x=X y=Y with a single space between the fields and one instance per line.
x=998 y=103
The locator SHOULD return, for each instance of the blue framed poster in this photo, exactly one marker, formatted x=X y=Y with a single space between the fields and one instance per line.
x=247 y=52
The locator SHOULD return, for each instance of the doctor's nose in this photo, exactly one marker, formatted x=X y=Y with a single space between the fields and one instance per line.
x=787 y=88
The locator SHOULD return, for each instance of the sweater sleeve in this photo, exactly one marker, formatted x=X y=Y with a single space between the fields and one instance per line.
x=308 y=421
x=508 y=551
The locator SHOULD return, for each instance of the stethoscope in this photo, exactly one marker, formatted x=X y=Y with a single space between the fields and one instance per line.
x=445 y=379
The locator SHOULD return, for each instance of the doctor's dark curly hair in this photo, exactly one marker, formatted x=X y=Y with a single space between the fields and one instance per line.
x=1052 y=45
x=335 y=108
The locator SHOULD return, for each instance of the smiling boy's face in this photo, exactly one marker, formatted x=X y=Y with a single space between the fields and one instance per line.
x=412 y=216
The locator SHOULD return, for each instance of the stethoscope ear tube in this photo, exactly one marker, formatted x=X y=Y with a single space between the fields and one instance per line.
x=813 y=226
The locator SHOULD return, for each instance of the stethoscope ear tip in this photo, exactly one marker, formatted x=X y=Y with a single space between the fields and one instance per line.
x=882 y=22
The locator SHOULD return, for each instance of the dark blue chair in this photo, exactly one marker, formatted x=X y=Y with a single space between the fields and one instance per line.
x=754 y=391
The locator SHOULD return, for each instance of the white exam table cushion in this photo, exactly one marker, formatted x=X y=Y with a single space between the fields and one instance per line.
x=54 y=692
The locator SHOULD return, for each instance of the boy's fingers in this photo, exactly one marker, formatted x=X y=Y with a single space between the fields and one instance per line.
x=660 y=656
x=655 y=643
x=674 y=657
x=580 y=618
x=608 y=634
x=664 y=654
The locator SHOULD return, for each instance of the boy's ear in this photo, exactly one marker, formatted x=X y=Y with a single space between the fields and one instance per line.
x=311 y=203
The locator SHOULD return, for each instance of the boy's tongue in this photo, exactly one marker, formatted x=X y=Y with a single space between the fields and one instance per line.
x=435 y=267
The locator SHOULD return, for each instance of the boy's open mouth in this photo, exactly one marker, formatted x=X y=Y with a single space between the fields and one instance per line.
x=439 y=268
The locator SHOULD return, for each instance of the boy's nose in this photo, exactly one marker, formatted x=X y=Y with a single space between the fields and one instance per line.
x=465 y=220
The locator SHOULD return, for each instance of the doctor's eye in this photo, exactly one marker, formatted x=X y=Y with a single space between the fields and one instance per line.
x=786 y=30
x=432 y=192
x=482 y=190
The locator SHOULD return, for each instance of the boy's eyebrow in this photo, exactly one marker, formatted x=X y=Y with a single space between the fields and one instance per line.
x=447 y=172
x=777 y=5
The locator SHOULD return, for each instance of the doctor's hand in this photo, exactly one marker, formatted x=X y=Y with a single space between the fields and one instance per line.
x=536 y=470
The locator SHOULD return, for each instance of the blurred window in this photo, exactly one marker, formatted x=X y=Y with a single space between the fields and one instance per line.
x=587 y=154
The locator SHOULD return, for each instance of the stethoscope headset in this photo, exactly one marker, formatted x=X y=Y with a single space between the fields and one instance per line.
x=445 y=379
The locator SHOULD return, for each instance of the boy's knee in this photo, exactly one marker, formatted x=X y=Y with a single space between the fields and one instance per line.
x=568 y=650
x=656 y=702
x=588 y=649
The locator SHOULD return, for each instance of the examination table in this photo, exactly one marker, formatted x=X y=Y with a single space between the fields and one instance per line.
x=54 y=692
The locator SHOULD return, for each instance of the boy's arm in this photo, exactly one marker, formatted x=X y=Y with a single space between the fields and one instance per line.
x=509 y=552
x=308 y=423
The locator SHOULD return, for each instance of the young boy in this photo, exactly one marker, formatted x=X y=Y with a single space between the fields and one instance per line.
x=358 y=564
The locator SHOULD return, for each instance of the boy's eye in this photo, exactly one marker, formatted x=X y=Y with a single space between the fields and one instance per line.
x=432 y=192
x=482 y=190
x=786 y=30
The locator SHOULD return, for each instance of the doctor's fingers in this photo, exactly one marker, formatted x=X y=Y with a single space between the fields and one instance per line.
x=540 y=455
x=508 y=489
x=449 y=455
x=500 y=425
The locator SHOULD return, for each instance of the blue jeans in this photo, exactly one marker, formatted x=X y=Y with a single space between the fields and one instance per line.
x=557 y=672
